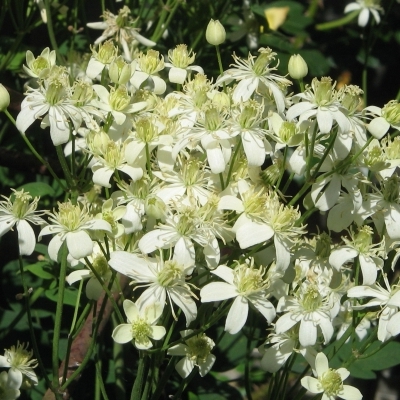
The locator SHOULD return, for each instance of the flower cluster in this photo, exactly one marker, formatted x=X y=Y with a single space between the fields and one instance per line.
x=192 y=200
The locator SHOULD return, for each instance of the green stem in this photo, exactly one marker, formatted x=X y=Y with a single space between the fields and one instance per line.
x=50 y=31
x=58 y=317
x=35 y=153
x=337 y=22
x=137 y=386
x=64 y=166
x=26 y=295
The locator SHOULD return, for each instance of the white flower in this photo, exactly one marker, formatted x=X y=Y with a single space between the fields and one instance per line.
x=7 y=389
x=360 y=245
x=40 y=66
x=120 y=28
x=165 y=281
x=51 y=100
x=330 y=381
x=366 y=7
x=383 y=118
x=19 y=212
x=141 y=325
x=180 y=59
x=247 y=120
x=247 y=285
x=309 y=307
x=387 y=299
x=147 y=68
x=320 y=101
x=196 y=352
x=282 y=347
x=18 y=359
x=70 y=224
x=256 y=75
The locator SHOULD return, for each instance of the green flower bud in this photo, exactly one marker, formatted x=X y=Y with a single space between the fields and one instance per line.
x=297 y=67
x=215 y=33
x=4 y=98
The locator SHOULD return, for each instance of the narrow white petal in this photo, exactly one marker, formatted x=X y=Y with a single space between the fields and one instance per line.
x=307 y=332
x=26 y=238
x=237 y=315
x=216 y=291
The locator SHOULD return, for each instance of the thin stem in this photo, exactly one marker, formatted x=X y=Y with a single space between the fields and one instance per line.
x=137 y=386
x=58 y=317
x=50 y=31
x=35 y=153
x=337 y=22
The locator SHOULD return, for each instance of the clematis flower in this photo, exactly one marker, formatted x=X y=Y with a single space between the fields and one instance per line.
x=330 y=381
x=148 y=66
x=71 y=224
x=39 y=67
x=19 y=212
x=246 y=284
x=18 y=359
x=366 y=7
x=256 y=75
x=320 y=101
x=196 y=352
x=388 y=299
x=179 y=63
x=165 y=281
x=53 y=101
x=383 y=118
x=141 y=325
x=120 y=27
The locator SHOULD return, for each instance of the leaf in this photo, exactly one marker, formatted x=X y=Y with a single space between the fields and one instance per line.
x=70 y=295
x=38 y=189
x=41 y=269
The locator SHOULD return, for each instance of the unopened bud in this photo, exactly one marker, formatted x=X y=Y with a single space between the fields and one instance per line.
x=4 y=98
x=215 y=33
x=297 y=67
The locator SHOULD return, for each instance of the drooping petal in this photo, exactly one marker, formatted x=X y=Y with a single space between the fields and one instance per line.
x=237 y=315
x=79 y=244
x=26 y=238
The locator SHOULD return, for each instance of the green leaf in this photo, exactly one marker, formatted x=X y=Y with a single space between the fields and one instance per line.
x=42 y=269
x=38 y=189
x=70 y=295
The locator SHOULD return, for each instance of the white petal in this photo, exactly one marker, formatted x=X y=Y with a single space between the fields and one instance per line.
x=26 y=238
x=185 y=303
x=392 y=221
x=378 y=127
x=131 y=310
x=321 y=364
x=77 y=275
x=369 y=270
x=122 y=333
x=285 y=322
x=393 y=325
x=224 y=273
x=216 y=291
x=54 y=246
x=311 y=384
x=307 y=332
x=342 y=256
x=265 y=307
x=157 y=332
x=177 y=75
x=79 y=244
x=237 y=315
x=350 y=393
x=205 y=366
x=184 y=367
x=253 y=233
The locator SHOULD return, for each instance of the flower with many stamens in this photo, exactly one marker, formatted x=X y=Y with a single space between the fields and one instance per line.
x=21 y=364
x=165 y=281
x=148 y=66
x=320 y=101
x=102 y=57
x=196 y=351
x=53 y=101
x=112 y=160
x=180 y=59
x=121 y=28
x=19 y=211
x=247 y=284
x=39 y=67
x=310 y=307
x=70 y=224
x=255 y=74
x=329 y=381
x=141 y=325
x=383 y=118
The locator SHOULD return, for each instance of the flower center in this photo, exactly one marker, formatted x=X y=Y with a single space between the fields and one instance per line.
x=391 y=112
x=39 y=65
x=331 y=382
x=391 y=189
x=106 y=53
x=312 y=300
x=119 y=98
x=287 y=131
x=323 y=90
x=199 y=347
x=393 y=149
x=70 y=216
x=146 y=131
x=55 y=92
x=171 y=272
x=21 y=204
x=82 y=92
x=180 y=57
x=249 y=280
x=141 y=331
x=212 y=120
x=260 y=66
x=150 y=62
